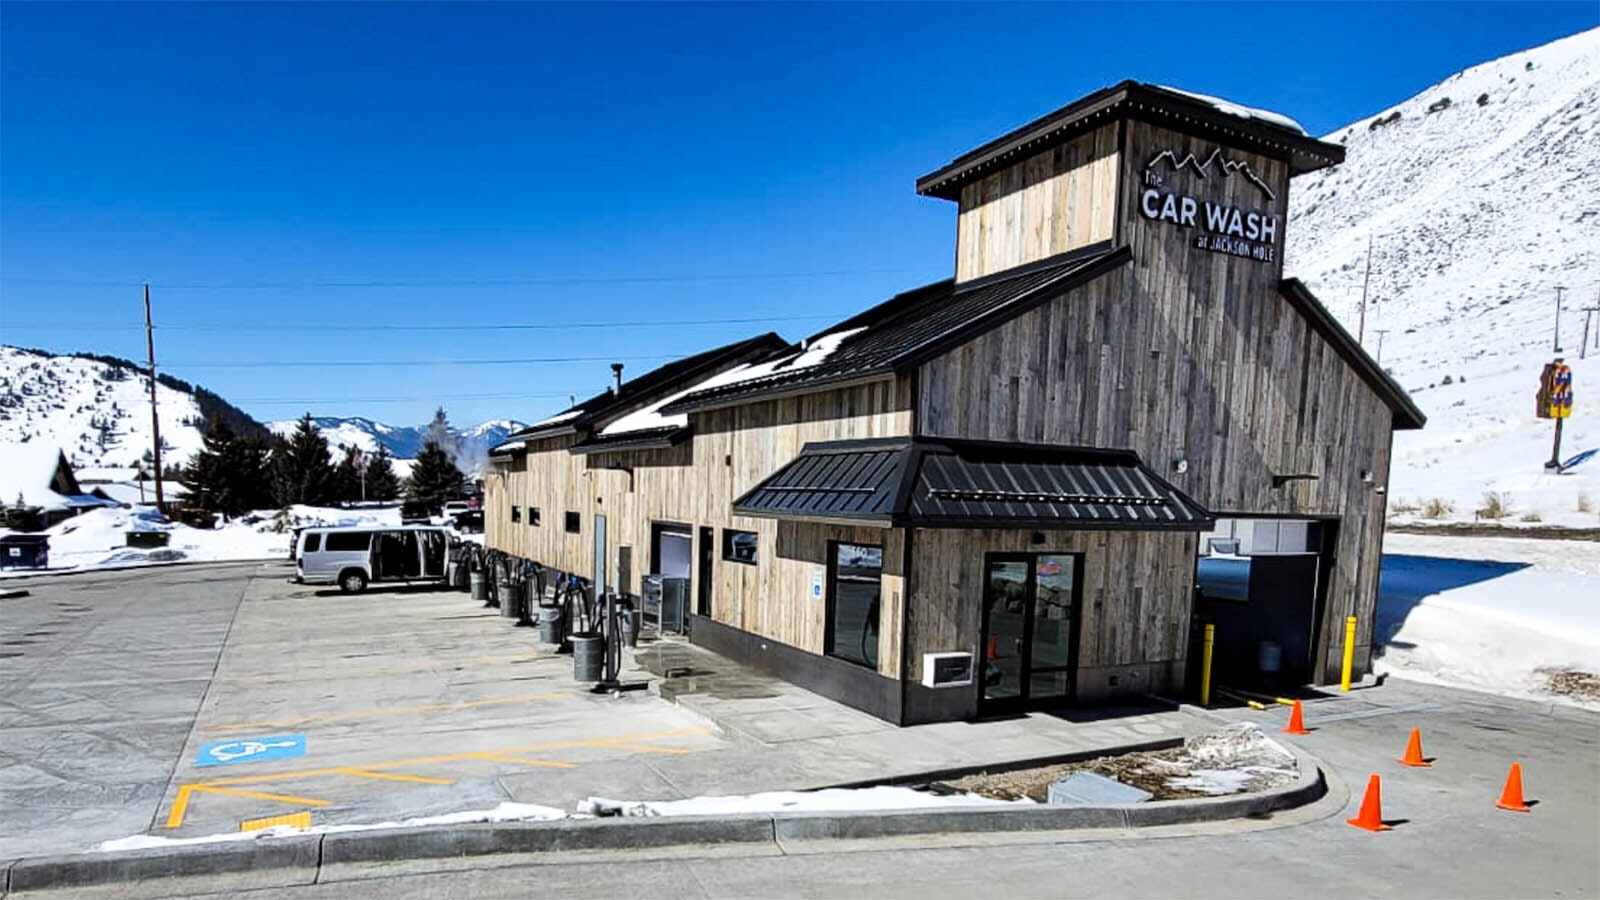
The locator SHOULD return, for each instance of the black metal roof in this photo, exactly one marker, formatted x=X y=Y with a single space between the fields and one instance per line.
x=1131 y=99
x=648 y=388
x=1406 y=414
x=937 y=483
x=916 y=326
x=649 y=439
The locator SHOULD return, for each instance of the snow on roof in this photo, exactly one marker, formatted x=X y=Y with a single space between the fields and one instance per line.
x=105 y=474
x=27 y=470
x=1243 y=112
x=558 y=418
x=650 y=418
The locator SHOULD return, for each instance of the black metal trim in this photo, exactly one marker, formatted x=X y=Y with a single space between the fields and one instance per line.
x=994 y=318
x=854 y=686
x=653 y=439
x=1136 y=100
x=1406 y=414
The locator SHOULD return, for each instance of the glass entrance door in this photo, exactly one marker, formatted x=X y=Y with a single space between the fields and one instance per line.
x=1030 y=629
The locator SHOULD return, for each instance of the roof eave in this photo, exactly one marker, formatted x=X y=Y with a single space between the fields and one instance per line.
x=1407 y=415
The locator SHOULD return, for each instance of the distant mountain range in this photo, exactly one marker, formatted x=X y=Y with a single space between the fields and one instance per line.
x=97 y=410
x=405 y=441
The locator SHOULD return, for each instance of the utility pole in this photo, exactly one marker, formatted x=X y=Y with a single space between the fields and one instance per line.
x=1558 y=319
x=1583 y=346
x=155 y=420
x=1380 y=332
x=1361 y=319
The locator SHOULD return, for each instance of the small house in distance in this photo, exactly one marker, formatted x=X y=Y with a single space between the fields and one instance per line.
x=38 y=487
x=1030 y=484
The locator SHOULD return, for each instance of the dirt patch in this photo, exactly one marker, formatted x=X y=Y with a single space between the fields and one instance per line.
x=1487 y=529
x=1574 y=683
x=1235 y=759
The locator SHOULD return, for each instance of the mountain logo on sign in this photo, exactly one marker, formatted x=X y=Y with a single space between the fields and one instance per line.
x=1202 y=169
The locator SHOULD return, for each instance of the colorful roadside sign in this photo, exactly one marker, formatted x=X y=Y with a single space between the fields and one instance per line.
x=1554 y=400
x=254 y=749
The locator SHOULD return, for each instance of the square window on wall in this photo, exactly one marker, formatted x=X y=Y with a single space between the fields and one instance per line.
x=516 y=513
x=739 y=546
x=533 y=516
x=574 y=523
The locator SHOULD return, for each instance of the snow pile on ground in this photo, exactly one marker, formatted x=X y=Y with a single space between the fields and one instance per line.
x=1229 y=760
x=505 y=812
x=1477 y=198
x=98 y=538
x=1504 y=615
x=828 y=800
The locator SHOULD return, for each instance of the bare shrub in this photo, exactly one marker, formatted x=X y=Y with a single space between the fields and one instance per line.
x=1496 y=505
x=1584 y=503
x=1437 y=508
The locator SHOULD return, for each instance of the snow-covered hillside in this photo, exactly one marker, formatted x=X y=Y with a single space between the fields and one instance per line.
x=96 y=412
x=1480 y=196
x=404 y=442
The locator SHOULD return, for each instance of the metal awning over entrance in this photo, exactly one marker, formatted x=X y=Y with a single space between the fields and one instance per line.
x=935 y=483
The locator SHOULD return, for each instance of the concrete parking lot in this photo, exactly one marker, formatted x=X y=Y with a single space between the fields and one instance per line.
x=201 y=700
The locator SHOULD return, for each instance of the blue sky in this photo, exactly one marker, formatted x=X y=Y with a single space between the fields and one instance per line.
x=375 y=183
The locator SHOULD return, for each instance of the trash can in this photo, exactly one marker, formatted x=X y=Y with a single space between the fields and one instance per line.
x=25 y=551
x=509 y=594
x=588 y=656
x=146 y=538
x=550 y=624
x=479 y=584
x=630 y=620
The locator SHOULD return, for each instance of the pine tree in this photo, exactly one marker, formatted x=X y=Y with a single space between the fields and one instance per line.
x=252 y=472
x=208 y=476
x=347 y=475
x=434 y=478
x=301 y=472
x=443 y=436
x=382 y=483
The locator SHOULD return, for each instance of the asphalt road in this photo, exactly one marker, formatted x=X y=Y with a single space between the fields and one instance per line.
x=1448 y=839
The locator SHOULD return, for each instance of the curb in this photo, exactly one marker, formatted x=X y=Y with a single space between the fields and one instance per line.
x=177 y=563
x=304 y=857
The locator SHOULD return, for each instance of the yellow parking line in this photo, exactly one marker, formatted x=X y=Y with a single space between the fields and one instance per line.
x=180 y=806
x=391 y=776
x=381 y=713
x=296 y=820
x=645 y=748
x=547 y=763
x=258 y=795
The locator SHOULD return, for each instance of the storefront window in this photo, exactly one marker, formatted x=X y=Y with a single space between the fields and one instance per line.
x=855 y=574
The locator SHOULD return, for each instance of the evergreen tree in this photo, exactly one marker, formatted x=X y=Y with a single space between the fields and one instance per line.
x=434 y=478
x=347 y=475
x=382 y=483
x=253 y=471
x=301 y=472
x=443 y=436
x=210 y=481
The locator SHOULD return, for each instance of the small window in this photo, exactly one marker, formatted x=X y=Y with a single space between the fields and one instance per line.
x=313 y=543
x=574 y=523
x=739 y=546
x=533 y=516
x=516 y=514
x=349 y=540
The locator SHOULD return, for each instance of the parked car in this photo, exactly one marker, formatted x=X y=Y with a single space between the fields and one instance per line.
x=414 y=512
x=353 y=558
x=468 y=522
x=452 y=507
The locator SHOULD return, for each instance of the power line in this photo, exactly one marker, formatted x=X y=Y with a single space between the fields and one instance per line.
x=411 y=363
x=459 y=282
x=385 y=326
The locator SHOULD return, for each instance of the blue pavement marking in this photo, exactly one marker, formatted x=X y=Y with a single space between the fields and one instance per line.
x=258 y=749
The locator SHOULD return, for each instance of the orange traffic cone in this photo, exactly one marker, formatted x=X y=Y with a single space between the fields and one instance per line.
x=1297 y=724
x=1371 y=815
x=1511 y=797
x=1413 y=755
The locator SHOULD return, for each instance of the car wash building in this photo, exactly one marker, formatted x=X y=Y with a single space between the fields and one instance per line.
x=1028 y=485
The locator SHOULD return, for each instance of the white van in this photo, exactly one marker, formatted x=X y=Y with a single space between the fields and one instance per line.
x=353 y=558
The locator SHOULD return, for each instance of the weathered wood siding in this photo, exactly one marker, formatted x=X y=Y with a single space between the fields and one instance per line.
x=1189 y=354
x=1055 y=201
x=695 y=484
x=734 y=449
x=1135 y=602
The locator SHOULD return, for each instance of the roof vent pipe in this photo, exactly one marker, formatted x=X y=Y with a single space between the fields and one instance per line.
x=616 y=378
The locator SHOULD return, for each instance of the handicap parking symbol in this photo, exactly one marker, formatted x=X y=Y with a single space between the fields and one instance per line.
x=258 y=749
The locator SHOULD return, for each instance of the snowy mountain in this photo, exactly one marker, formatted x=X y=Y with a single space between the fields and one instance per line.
x=405 y=441
x=96 y=411
x=1479 y=196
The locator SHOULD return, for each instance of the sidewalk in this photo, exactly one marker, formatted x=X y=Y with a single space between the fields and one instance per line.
x=804 y=741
